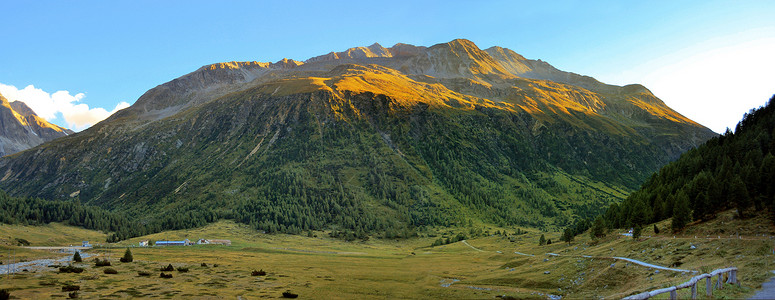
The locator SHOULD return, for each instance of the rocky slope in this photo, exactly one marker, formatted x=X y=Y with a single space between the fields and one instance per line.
x=368 y=139
x=21 y=128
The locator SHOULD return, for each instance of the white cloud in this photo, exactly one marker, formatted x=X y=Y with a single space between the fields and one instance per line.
x=77 y=116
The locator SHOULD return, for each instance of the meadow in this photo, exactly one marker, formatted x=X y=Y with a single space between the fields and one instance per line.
x=320 y=267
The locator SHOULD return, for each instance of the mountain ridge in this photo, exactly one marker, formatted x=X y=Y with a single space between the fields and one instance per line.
x=430 y=136
x=21 y=128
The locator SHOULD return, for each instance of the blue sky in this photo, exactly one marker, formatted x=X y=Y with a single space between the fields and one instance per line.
x=706 y=59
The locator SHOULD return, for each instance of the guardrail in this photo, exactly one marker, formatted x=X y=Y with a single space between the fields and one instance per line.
x=692 y=283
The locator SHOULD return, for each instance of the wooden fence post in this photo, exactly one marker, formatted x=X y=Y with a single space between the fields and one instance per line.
x=708 y=287
x=674 y=294
x=719 y=283
x=694 y=291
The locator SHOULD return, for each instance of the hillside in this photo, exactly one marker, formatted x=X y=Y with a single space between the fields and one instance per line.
x=21 y=128
x=735 y=170
x=373 y=140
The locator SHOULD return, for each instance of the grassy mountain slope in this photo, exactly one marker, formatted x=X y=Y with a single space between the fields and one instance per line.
x=370 y=145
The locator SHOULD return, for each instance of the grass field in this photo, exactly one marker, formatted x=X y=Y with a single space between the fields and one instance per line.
x=324 y=268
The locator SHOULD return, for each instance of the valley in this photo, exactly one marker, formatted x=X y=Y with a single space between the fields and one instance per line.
x=480 y=267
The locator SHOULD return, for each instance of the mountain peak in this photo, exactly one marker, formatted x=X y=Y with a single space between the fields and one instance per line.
x=22 y=108
x=21 y=128
x=462 y=43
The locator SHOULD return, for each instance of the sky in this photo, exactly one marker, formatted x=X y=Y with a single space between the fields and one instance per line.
x=76 y=62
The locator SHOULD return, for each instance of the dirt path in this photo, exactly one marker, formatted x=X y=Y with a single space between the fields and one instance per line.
x=637 y=262
x=472 y=247
x=767 y=291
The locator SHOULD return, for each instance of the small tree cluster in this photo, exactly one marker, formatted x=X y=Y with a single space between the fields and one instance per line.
x=127 y=256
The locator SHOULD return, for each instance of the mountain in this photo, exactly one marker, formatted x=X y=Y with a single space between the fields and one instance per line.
x=367 y=140
x=734 y=170
x=21 y=128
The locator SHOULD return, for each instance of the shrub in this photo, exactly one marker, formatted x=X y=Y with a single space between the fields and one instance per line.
x=5 y=294
x=143 y=273
x=22 y=242
x=288 y=294
x=258 y=273
x=73 y=295
x=162 y=275
x=101 y=263
x=77 y=257
x=110 y=271
x=656 y=229
x=168 y=268
x=70 y=288
x=215 y=265
x=70 y=269
x=127 y=256
x=204 y=264
x=182 y=269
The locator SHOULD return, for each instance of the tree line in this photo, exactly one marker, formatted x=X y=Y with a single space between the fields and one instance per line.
x=735 y=170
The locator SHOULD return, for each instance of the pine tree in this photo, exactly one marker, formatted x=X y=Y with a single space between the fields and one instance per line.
x=542 y=240
x=77 y=257
x=567 y=235
x=127 y=256
x=681 y=212
x=656 y=229
x=738 y=194
x=636 y=232
x=598 y=228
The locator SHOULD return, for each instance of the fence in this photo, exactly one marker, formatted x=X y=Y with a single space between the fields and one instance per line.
x=692 y=283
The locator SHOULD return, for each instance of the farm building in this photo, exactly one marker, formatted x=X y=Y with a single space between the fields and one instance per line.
x=144 y=243
x=185 y=242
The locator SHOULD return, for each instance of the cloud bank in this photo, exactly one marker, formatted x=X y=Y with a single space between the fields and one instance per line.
x=77 y=116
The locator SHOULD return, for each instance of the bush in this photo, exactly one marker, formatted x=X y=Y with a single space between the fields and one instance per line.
x=258 y=273
x=101 y=263
x=110 y=271
x=288 y=294
x=143 y=273
x=73 y=295
x=22 y=242
x=70 y=288
x=162 y=275
x=204 y=264
x=5 y=294
x=70 y=269
x=182 y=269
x=127 y=256
x=168 y=268
x=77 y=257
